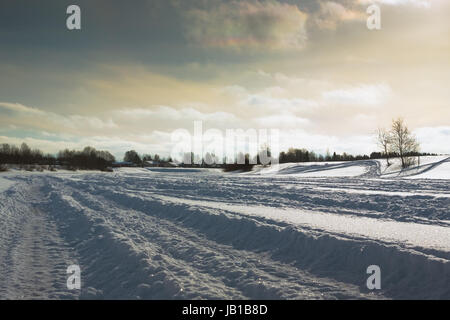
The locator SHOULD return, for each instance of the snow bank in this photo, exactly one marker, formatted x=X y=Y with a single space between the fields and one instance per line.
x=130 y=170
x=411 y=234
x=110 y=267
x=434 y=170
x=319 y=169
x=430 y=167
x=408 y=271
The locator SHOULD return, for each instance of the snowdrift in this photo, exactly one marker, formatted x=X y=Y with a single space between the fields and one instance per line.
x=430 y=167
x=409 y=272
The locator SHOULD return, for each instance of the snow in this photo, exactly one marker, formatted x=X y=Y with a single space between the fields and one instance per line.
x=307 y=231
x=441 y=171
x=5 y=184
x=412 y=234
x=316 y=169
x=430 y=167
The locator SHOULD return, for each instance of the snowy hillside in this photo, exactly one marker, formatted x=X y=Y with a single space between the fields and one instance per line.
x=308 y=232
x=430 y=167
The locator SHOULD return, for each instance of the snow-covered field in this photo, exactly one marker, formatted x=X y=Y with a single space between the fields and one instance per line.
x=307 y=231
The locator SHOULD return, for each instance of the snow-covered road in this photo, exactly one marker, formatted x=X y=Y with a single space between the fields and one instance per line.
x=174 y=234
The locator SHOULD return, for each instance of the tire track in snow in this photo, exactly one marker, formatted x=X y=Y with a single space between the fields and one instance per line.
x=414 y=235
x=198 y=266
x=423 y=202
x=343 y=257
x=34 y=258
x=336 y=256
x=132 y=243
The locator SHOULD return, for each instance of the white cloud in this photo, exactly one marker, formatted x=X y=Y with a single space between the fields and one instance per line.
x=25 y=116
x=17 y=107
x=142 y=129
x=320 y=143
x=269 y=100
x=363 y=95
x=266 y=102
x=129 y=120
x=293 y=83
x=166 y=117
x=282 y=121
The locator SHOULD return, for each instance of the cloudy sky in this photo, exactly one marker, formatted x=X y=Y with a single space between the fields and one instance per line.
x=138 y=70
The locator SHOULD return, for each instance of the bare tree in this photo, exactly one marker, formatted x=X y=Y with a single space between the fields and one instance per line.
x=403 y=141
x=384 y=138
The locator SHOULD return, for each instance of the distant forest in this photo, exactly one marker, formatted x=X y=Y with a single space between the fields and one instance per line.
x=88 y=158
x=92 y=159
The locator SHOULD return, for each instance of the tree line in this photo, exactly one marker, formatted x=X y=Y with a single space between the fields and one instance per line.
x=88 y=158
x=11 y=154
x=132 y=156
x=303 y=155
x=398 y=141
